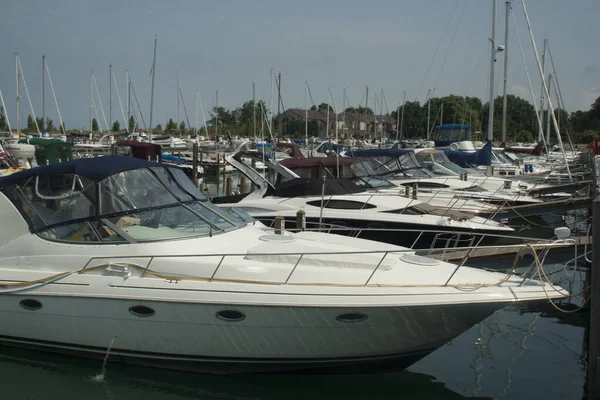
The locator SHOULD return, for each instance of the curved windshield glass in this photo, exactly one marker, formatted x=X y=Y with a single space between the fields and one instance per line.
x=502 y=158
x=404 y=166
x=454 y=168
x=372 y=182
x=143 y=204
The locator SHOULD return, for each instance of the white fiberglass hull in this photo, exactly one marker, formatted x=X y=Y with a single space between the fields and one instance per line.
x=270 y=338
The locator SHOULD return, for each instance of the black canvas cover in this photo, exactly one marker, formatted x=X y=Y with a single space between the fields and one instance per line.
x=299 y=187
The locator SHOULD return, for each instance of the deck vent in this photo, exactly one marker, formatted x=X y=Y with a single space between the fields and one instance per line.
x=352 y=318
x=276 y=238
x=142 y=311
x=30 y=304
x=418 y=260
x=231 y=315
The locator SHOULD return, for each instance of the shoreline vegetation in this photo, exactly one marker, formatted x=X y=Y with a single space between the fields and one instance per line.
x=522 y=123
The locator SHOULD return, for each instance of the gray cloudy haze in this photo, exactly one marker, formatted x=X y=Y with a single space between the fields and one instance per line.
x=226 y=45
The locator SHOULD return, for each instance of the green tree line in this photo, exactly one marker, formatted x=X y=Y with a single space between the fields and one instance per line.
x=522 y=122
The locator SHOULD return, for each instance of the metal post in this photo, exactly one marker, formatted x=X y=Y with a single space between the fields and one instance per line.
x=243 y=184
x=218 y=173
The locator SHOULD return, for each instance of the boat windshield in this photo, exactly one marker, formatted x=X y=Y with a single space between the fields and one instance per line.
x=405 y=165
x=366 y=177
x=499 y=158
x=145 y=204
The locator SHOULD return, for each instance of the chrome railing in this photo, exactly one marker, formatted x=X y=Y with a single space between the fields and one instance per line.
x=121 y=264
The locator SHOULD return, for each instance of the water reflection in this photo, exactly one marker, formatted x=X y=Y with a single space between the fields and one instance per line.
x=57 y=376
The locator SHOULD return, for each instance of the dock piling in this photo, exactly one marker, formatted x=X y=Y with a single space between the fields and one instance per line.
x=279 y=225
x=195 y=163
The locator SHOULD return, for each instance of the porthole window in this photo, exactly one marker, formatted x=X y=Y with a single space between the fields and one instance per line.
x=350 y=318
x=142 y=311
x=231 y=315
x=30 y=304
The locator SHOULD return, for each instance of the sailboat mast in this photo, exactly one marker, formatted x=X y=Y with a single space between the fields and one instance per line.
x=177 y=80
x=110 y=120
x=397 y=120
x=402 y=116
x=328 y=101
x=18 y=105
x=428 y=111
x=375 y=116
x=344 y=112
x=216 y=114
x=505 y=92
x=381 y=111
x=550 y=108
x=548 y=115
x=254 y=110
x=43 y=92
x=152 y=90
x=492 y=64
x=306 y=114
x=91 y=99
x=540 y=129
x=127 y=100
x=280 y=130
x=366 y=108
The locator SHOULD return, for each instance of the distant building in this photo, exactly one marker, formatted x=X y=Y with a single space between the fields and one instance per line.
x=353 y=125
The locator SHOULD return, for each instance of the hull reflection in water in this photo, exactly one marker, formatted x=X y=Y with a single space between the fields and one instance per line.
x=66 y=378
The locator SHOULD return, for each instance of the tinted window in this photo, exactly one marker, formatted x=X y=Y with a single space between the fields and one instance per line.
x=341 y=204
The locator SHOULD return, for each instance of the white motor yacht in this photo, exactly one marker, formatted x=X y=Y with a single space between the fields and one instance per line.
x=123 y=257
x=350 y=209
x=400 y=166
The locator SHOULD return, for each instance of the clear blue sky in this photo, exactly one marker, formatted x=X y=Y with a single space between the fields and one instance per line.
x=225 y=45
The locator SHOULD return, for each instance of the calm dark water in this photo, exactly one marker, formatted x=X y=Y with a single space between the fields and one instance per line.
x=514 y=354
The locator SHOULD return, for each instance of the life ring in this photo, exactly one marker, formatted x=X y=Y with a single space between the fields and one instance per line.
x=454 y=146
